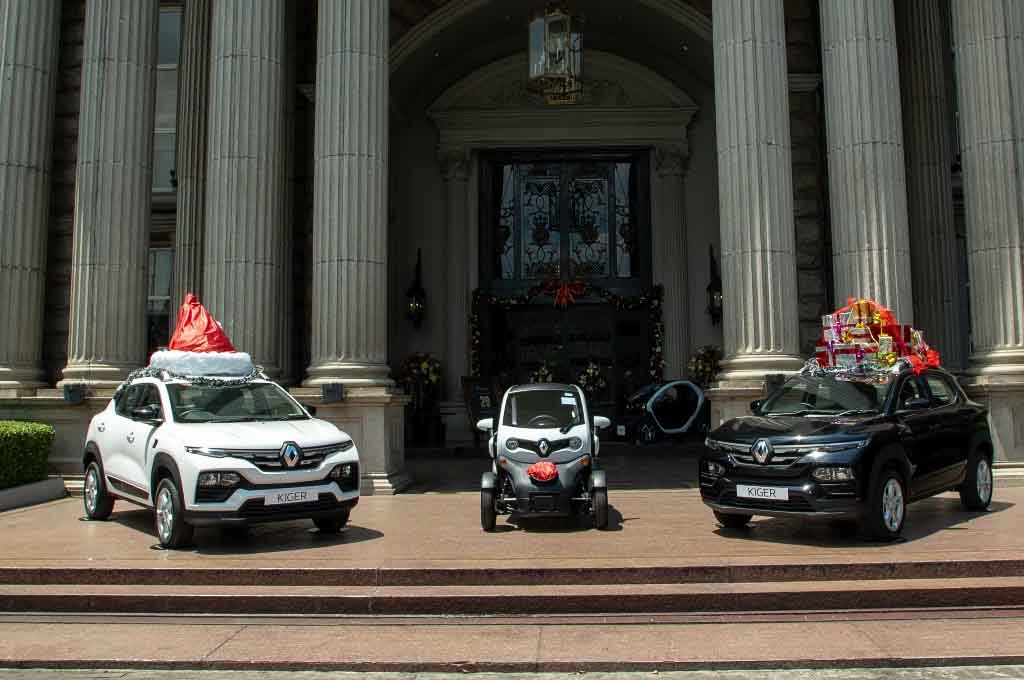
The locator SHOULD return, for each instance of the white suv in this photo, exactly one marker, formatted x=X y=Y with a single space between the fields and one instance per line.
x=203 y=453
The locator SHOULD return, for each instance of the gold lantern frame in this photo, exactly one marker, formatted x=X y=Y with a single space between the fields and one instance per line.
x=555 y=54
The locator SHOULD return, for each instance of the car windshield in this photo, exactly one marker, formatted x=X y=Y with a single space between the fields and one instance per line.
x=543 y=409
x=826 y=394
x=645 y=393
x=239 y=403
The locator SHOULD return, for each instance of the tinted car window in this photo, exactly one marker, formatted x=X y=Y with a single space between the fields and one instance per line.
x=942 y=391
x=541 y=409
x=149 y=396
x=910 y=390
x=129 y=398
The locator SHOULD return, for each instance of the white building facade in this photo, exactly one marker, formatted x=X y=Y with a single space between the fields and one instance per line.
x=292 y=162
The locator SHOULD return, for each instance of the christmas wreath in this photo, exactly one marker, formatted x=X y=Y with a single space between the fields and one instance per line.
x=703 y=365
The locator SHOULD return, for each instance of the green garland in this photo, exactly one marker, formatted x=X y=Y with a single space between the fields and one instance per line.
x=650 y=299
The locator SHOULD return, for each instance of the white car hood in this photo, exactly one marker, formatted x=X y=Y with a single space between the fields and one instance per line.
x=258 y=435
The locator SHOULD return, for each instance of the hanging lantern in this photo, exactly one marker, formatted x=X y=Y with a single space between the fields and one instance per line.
x=415 y=296
x=556 y=55
x=714 y=290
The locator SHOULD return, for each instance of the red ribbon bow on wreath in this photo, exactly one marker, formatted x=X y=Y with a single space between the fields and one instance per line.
x=564 y=292
x=542 y=471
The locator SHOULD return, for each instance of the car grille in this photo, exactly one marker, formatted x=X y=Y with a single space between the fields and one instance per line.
x=269 y=460
x=255 y=508
x=779 y=458
x=553 y=445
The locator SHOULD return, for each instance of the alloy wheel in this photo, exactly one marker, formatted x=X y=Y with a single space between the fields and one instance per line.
x=892 y=504
x=165 y=514
x=92 y=489
x=983 y=475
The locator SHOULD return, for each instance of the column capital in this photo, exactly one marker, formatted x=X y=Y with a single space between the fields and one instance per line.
x=455 y=163
x=670 y=159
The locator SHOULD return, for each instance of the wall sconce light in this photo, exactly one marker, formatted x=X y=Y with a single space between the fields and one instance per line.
x=714 y=290
x=416 y=297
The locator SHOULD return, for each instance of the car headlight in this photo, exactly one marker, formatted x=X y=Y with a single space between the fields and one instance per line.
x=203 y=451
x=223 y=479
x=575 y=443
x=511 y=444
x=714 y=468
x=833 y=474
x=710 y=444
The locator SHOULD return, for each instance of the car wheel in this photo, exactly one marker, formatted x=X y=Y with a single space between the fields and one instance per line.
x=98 y=502
x=600 y=501
x=730 y=521
x=488 y=512
x=976 y=492
x=332 y=524
x=171 y=527
x=887 y=505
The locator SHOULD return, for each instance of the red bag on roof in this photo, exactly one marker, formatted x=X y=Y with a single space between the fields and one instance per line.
x=197 y=330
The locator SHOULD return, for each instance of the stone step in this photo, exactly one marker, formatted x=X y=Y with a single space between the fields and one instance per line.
x=539 y=599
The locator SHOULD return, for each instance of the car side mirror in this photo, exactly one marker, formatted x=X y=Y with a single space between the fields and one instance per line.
x=600 y=422
x=755 y=405
x=310 y=409
x=149 y=414
x=917 y=404
x=485 y=424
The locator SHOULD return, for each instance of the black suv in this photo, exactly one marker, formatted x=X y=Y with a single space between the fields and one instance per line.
x=850 y=448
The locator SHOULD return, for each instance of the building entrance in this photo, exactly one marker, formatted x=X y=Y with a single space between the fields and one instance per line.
x=565 y=240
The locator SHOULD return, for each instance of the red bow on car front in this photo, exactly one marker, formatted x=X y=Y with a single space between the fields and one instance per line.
x=542 y=471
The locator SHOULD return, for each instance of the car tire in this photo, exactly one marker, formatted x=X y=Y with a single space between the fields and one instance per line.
x=97 y=500
x=600 y=501
x=887 y=505
x=488 y=511
x=332 y=524
x=730 y=521
x=171 y=528
x=976 y=491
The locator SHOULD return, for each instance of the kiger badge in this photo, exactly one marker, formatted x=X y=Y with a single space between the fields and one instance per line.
x=761 y=450
x=291 y=454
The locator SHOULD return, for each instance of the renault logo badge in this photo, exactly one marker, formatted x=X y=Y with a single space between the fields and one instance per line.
x=291 y=454
x=762 y=451
x=543 y=446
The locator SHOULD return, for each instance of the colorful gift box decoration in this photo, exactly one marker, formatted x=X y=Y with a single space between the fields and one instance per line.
x=866 y=334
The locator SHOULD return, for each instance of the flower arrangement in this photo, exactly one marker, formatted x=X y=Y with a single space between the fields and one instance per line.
x=420 y=375
x=703 y=365
x=543 y=374
x=592 y=379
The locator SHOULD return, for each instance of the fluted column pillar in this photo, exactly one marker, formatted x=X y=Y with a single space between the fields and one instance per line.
x=455 y=170
x=242 y=256
x=193 y=109
x=670 y=236
x=107 y=335
x=926 y=116
x=989 y=37
x=350 y=157
x=29 y=35
x=755 y=192
x=867 y=184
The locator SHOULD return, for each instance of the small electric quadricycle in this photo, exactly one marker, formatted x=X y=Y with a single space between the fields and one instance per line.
x=544 y=447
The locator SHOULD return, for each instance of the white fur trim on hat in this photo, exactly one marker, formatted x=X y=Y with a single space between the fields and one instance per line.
x=203 y=363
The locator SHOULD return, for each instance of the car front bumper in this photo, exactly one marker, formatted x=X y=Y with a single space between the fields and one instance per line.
x=254 y=511
x=806 y=498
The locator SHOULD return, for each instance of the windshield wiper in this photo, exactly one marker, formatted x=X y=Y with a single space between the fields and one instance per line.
x=294 y=416
x=857 y=412
x=800 y=414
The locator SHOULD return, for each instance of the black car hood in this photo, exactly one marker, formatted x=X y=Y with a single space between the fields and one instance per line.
x=751 y=428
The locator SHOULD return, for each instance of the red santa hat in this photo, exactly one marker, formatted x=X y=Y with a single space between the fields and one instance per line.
x=200 y=346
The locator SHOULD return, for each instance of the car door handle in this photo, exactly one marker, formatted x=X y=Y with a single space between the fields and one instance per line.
x=101 y=427
x=131 y=438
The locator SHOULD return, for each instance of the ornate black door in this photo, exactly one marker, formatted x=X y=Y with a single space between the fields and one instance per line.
x=579 y=224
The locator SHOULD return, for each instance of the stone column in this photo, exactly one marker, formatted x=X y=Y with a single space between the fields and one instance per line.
x=927 y=126
x=867 y=186
x=350 y=157
x=113 y=186
x=455 y=170
x=193 y=108
x=989 y=39
x=245 y=176
x=755 y=181
x=670 y=237
x=29 y=35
